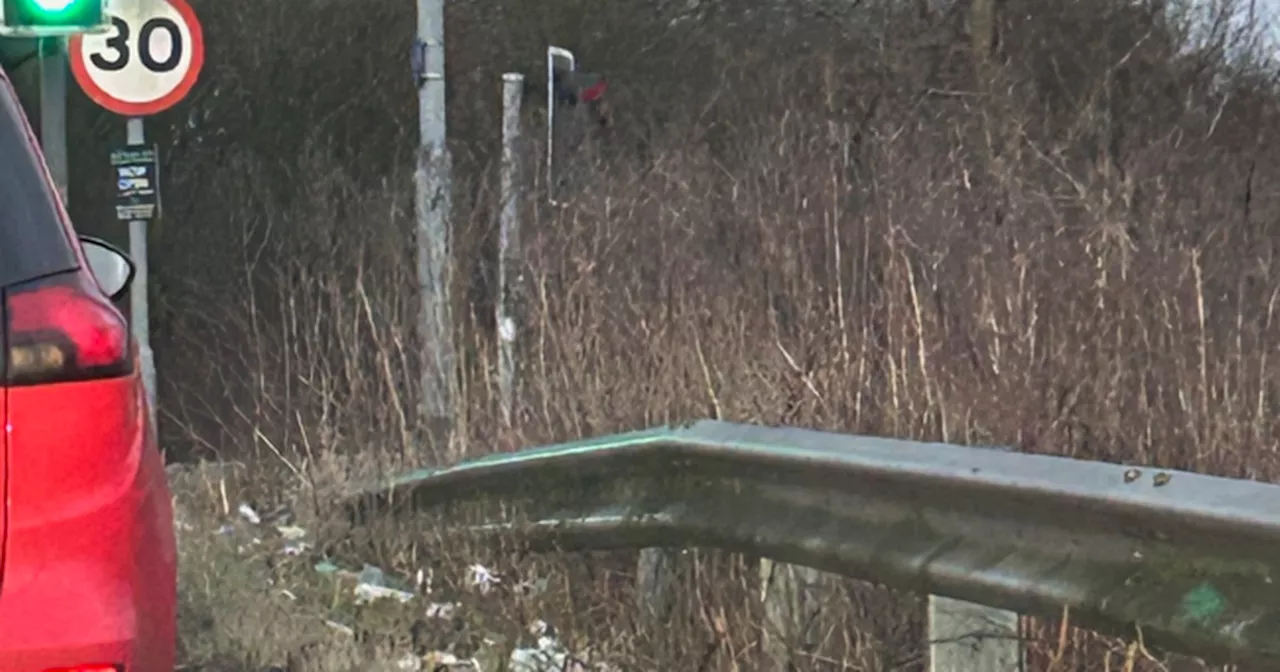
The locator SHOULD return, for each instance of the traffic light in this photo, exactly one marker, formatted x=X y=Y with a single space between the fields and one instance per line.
x=38 y=18
x=574 y=88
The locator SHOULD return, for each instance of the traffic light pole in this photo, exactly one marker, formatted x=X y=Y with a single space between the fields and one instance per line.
x=553 y=53
x=53 y=109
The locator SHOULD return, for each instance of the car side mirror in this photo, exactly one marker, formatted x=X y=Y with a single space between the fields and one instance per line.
x=112 y=268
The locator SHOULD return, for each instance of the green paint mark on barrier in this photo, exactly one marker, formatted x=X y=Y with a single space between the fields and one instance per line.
x=1202 y=605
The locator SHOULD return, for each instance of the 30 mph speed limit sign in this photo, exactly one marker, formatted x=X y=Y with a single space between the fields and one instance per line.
x=145 y=62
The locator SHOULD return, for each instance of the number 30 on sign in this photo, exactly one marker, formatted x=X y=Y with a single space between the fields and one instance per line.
x=147 y=60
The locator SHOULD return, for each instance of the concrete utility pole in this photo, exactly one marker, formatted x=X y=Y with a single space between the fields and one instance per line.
x=433 y=189
x=510 y=261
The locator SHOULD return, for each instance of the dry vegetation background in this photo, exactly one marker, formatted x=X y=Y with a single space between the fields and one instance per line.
x=1050 y=224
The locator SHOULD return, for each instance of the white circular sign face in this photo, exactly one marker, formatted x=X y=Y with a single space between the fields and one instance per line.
x=146 y=61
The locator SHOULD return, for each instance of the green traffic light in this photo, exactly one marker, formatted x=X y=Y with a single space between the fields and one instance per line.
x=54 y=6
x=52 y=17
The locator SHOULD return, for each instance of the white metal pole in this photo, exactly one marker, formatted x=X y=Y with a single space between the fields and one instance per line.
x=552 y=54
x=139 y=315
x=551 y=120
x=53 y=110
x=433 y=182
x=509 y=257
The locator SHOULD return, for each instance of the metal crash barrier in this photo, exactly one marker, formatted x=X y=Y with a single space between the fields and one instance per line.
x=1187 y=559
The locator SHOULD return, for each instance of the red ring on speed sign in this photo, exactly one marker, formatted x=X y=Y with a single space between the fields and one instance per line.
x=98 y=95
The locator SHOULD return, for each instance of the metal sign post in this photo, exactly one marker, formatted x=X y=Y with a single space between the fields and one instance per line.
x=554 y=53
x=137 y=173
x=145 y=63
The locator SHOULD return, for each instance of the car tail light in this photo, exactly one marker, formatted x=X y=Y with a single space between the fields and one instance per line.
x=61 y=329
x=100 y=667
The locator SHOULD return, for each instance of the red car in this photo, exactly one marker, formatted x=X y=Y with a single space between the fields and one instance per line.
x=88 y=562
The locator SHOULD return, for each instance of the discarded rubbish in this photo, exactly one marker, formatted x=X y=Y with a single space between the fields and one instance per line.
x=346 y=630
x=291 y=532
x=549 y=655
x=249 y=514
x=442 y=610
x=372 y=585
x=538 y=660
x=443 y=660
x=483 y=578
x=373 y=576
x=366 y=593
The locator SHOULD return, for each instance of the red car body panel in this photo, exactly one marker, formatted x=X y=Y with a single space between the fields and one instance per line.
x=88 y=560
x=90 y=568
x=4 y=480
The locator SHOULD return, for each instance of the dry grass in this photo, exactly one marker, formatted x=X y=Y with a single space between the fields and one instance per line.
x=1072 y=253
x=786 y=291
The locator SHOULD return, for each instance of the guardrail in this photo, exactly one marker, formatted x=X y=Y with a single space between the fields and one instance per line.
x=1185 y=560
